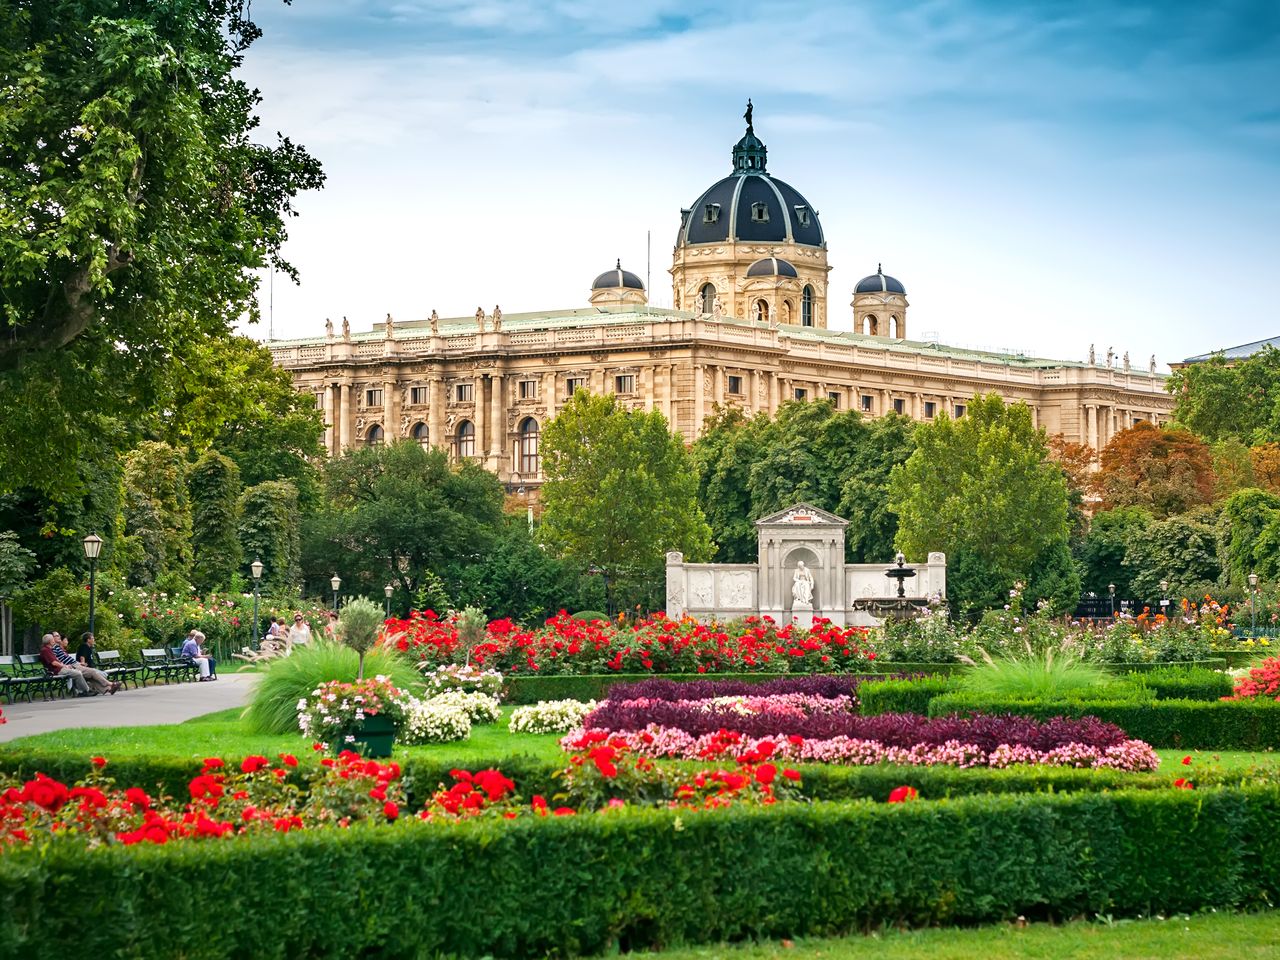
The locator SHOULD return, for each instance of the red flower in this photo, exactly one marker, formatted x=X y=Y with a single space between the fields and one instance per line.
x=792 y=775
x=1182 y=784
x=254 y=764
x=378 y=793
x=391 y=810
x=212 y=763
x=903 y=794
x=565 y=811
x=1186 y=761
x=138 y=797
x=99 y=762
x=765 y=773
x=46 y=792
x=288 y=759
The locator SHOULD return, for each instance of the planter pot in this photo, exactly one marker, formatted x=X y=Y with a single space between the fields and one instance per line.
x=374 y=737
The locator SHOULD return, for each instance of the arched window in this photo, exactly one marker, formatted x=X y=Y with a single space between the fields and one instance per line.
x=529 y=447
x=786 y=312
x=421 y=435
x=806 y=307
x=762 y=311
x=895 y=328
x=708 y=294
x=873 y=326
x=466 y=439
x=375 y=435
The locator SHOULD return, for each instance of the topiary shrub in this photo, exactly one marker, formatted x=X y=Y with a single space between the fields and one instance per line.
x=589 y=615
x=358 y=625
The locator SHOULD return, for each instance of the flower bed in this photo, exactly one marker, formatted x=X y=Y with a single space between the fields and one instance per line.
x=1262 y=681
x=549 y=716
x=816 y=685
x=654 y=645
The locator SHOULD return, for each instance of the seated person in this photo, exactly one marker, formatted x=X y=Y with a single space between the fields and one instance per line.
x=96 y=679
x=191 y=651
x=57 y=668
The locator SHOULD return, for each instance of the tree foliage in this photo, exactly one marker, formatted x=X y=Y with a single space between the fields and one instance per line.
x=135 y=209
x=1246 y=514
x=1220 y=400
x=1103 y=552
x=1183 y=550
x=982 y=490
x=399 y=514
x=157 y=514
x=270 y=531
x=1164 y=470
x=16 y=564
x=620 y=491
x=214 y=485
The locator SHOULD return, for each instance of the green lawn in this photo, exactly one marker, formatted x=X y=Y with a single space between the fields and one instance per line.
x=1218 y=760
x=1206 y=937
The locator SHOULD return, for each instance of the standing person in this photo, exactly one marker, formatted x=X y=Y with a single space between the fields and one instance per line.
x=299 y=633
x=57 y=668
x=191 y=651
x=96 y=679
x=331 y=628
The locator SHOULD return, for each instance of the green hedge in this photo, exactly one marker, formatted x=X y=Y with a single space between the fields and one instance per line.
x=641 y=879
x=902 y=696
x=1178 y=724
x=1185 y=683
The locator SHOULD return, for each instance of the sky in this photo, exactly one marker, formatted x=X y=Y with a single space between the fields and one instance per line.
x=1041 y=175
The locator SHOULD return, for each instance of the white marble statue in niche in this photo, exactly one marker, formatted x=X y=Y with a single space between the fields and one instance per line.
x=802 y=585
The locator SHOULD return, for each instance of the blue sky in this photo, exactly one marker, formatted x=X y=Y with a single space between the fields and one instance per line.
x=1040 y=175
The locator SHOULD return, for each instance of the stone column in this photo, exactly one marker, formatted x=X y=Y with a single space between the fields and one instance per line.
x=329 y=418
x=886 y=402
x=344 y=417
x=481 y=417
x=497 y=423
x=435 y=412
x=775 y=390
x=549 y=398
x=1091 y=428
x=668 y=376
x=390 y=410
x=699 y=399
x=717 y=385
x=646 y=385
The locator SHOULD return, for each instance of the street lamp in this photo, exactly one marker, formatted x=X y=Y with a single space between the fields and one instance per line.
x=256 y=569
x=1164 y=596
x=1111 y=589
x=388 y=590
x=1253 y=604
x=92 y=547
x=335 y=581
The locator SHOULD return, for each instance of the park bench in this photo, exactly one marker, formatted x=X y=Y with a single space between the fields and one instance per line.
x=156 y=664
x=113 y=664
x=189 y=669
x=15 y=682
x=269 y=650
x=51 y=684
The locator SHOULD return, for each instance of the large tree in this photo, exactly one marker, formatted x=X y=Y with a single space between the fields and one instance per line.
x=620 y=490
x=399 y=514
x=982 y=490
x=135 y=210
x=1240 y=399
x=1164 y=470
x=1103 y=552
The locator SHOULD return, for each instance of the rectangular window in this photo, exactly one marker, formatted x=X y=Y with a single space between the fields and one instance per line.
x=760 y=212
x=899 y=406
x=960 y=408
x=802 y=214
x=711 y=213
x=528 y=389
x=419 y=395
x=834 y=398
x=464 y=392
x=930 y=409
x=735 y=385
x=373 y=398
x=801 y=393
x=866 y=403
x=624 y=383
x=573 y=385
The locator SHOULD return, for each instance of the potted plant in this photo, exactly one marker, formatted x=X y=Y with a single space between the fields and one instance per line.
x=361 y=716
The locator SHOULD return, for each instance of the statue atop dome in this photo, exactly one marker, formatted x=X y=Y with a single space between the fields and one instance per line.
x=747 y=117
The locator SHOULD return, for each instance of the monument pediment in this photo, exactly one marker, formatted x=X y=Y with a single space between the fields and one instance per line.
x=802 y=515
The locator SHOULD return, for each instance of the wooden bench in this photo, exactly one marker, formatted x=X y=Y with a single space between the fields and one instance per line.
x=188 y=668
x=156 y=664
x=113 y=664
x=52 y=685
x=14 y=681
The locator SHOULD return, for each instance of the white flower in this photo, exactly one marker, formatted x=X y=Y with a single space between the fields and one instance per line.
x=549 y=716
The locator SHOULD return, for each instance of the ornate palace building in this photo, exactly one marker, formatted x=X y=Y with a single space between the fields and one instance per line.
x=749 y=276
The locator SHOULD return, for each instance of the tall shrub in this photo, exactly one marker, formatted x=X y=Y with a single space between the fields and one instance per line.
x=269 y=531
x=358 y=626
x=157 y=513
x=214 y=485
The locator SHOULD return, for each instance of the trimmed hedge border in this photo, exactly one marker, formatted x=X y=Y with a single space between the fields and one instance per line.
x=641 y=879
x=1177 y=724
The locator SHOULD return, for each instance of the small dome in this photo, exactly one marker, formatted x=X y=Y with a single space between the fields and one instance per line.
x=617 y=277
x=879 y=282
x=771 y=267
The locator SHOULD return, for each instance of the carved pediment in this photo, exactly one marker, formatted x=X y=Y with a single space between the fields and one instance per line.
x=802 y=514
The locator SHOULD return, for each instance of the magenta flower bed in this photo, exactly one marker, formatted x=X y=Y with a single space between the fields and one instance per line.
x=1122 y=754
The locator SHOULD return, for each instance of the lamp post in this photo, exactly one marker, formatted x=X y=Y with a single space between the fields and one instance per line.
x=1111 y=589
x=388 y=590
x=256 y=569
x=335 y=581
x=1164 y=597
x=92 y=547
x=1253 y=604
